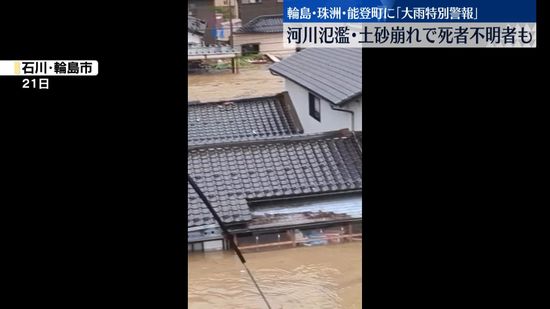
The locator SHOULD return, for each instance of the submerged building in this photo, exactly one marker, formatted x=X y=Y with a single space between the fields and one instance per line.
x=264 y=35
x=271 y=184
x=200 y=39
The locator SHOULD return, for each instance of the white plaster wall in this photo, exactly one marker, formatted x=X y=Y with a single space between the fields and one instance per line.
x=213 y=245
x=331 y=120
x=270 y=43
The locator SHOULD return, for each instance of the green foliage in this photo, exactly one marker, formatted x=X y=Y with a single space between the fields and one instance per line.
x=223 y=10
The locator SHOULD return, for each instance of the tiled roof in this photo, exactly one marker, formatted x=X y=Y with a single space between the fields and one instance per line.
x=196 y=25
x=231 y=173
x=263 y=24
x=334 y=74
x=241 y=120
x=359 y=137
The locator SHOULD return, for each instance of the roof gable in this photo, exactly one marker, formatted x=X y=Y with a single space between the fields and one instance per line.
x=334 y=74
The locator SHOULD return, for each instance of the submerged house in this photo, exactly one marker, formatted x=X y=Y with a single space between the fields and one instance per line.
x=270 y=183
x=264 y=35
x=197 y=50
x=326 y=85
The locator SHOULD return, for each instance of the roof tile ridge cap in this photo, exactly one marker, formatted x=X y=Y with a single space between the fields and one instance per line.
x=270 y=15
x=239 y=100
x=257 y=18
x=343 y=133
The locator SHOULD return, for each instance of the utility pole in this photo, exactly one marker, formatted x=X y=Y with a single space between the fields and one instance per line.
x=230 y=22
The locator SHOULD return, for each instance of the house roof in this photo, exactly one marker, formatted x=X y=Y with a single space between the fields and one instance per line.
x=232 y=173
x=242 y=120
x=359 y=137
x=263 y=24
x=334 y=74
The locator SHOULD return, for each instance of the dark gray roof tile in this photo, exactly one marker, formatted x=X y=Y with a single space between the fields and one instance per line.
x=229 y=174
x=263 y=24
x=242 y=120
x=334 y=74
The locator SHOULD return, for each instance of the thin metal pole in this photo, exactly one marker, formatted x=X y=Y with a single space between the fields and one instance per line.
x=231 y=23
x=226 y=232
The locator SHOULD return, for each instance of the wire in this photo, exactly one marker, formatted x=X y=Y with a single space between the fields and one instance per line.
x=224 y=229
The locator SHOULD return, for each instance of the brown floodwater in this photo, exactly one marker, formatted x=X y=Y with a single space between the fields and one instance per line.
x=253 y=81
x=304 y=277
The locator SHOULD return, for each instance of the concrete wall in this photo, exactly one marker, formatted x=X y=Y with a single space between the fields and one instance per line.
x=268 y=7
x=270 y=43
x=331 y=120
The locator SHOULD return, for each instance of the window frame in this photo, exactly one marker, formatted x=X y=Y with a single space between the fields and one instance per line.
x=245 y=47
x=314 y=112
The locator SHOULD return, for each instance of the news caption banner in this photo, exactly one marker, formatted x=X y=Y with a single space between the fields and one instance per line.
x=32 y=69
x=409 y=23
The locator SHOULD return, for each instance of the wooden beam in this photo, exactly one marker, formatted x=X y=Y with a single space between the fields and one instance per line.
x=266 y=245
x=294 y=242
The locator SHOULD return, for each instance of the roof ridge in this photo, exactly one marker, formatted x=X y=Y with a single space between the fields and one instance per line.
x=334 y=74
x=243 y=119
x=249 y=26
x=264 y=16
x=238 y=100
x=344 y=133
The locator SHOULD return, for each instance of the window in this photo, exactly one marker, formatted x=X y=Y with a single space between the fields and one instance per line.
x=247 y=49
x=280 y=1
x=251 y=1
x=315 y=107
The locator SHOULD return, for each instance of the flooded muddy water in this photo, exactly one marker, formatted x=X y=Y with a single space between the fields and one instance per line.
x=253 y=81
x=304 y=277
